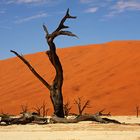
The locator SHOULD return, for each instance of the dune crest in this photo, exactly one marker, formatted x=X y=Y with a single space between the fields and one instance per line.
x=108 y=74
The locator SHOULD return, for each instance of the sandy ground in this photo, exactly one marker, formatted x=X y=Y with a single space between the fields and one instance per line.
x=78 y=131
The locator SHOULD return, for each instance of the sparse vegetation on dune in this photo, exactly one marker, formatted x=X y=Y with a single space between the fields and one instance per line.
x=38 y=115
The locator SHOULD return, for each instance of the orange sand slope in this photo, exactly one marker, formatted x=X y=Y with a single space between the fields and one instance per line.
x=107 y=74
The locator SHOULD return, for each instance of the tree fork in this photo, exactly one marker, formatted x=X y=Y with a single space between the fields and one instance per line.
x=56 y=86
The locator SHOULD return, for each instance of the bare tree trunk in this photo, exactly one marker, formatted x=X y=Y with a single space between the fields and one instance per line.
x=56 y=86
x=25 y=118
x=137 y=111
x=90 y=117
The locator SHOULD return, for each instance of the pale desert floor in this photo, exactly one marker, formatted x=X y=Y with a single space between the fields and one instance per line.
x=78 y=131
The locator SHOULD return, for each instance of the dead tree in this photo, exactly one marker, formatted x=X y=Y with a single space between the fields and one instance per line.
x=41 y=110
x=44 y=109
x=137 y=111
x=101 y=113
x=81 y=106
x=38 y=110
x=24 y=109
x=86 y=117
x=56 y=87
x=66 y=108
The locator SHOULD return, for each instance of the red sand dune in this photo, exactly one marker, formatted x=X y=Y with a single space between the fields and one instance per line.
x=106 y=74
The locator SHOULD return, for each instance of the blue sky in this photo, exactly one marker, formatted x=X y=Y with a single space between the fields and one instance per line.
x=98 y=21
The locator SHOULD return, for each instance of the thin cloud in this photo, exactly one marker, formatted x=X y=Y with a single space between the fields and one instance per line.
x=2 y=11
x=111 y=8
x=122 y=6
x=86 y=1
x=91 y=10
x=95 y=5
x=130 y=5
x=26 y=1
x=100 y=3
x=126 y=5
x=5 y=27
x=41 y=15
